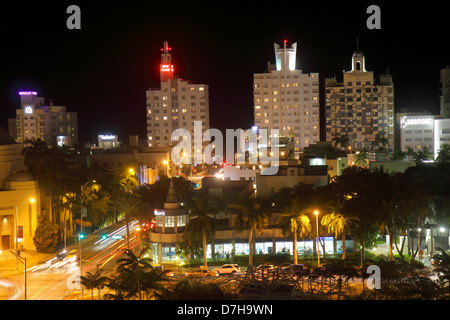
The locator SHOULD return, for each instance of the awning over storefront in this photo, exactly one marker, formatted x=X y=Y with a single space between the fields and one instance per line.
x=85 y=223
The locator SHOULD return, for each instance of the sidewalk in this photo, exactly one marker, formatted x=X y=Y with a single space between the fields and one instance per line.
x=8 y=261
x=10 y=267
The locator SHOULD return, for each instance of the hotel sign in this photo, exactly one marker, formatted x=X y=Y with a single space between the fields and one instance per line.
x=405 y=121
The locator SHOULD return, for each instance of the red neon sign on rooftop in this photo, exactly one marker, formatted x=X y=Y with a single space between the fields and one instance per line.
x=167 y=68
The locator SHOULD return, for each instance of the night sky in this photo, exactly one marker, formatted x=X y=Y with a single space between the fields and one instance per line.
x=103 y=70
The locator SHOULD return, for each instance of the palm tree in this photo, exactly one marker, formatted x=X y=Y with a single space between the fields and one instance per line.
x=35 y=155
x=252 y=216
x=443 y=154
x=135 y=267
x=409 y=153
x=399 y=155
x=202 y=211
x=295 y=220
x=422 y=155
x=130 y=204
x=94 y=280
x=361 y=158
x=342 y=141
x=380 y=142
x=338 y=223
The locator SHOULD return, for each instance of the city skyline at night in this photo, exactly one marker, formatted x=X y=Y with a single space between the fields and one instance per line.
x=103 y=70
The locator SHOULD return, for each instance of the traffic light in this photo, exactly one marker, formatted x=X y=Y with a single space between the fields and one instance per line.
x=104 y=236
x=81 y=235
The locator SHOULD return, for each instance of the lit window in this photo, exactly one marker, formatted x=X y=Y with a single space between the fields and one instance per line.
x=170 y=221
x=181 y=221
x=159 y=221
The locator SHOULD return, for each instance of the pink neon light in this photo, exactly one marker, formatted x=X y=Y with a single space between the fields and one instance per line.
x=27 y=93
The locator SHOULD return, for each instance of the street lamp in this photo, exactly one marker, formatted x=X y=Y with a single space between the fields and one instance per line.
x=317 y=242
x=16 y=227
x=24 y=261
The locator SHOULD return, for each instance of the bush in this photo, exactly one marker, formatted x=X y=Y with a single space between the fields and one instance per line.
x=46 y=236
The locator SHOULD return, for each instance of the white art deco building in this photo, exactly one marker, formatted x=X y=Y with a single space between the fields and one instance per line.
x=287 y=99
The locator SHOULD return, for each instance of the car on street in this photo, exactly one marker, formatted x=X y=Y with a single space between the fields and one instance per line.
x=298 y=270
x=265 y=268
x=436 y=260
x=202 y=272
x=164 y=271
x=228 y=269
x=67 y=254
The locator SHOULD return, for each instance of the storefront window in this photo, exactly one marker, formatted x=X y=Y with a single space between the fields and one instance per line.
x=181 y=221
x=170 y=221
x=159 y=221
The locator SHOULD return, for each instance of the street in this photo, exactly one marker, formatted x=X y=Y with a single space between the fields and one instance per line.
x=55 y=279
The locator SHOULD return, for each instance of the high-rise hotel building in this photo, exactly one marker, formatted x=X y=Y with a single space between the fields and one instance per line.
x=445 y=92
x=176 y=104
x=287 y=99
x=52 y=124
x=360 y=107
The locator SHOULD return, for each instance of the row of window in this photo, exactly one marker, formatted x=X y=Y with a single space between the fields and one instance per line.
x=175 y=97
x=283 y=85
x=183 y=89
x=169 y=221
x=157 y=118
x=258 y=100
x=275 y=92
x=295 y=106
x=418 y=131
x=359 y=90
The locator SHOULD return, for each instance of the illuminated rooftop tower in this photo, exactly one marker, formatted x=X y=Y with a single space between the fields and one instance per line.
x=166 y=70
x=285 y=57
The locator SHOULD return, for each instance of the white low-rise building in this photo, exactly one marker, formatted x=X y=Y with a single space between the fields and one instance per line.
x=419 y=131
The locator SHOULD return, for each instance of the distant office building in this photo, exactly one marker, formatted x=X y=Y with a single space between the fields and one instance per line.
x=53 y=124
x=177 y=104
x=360 y=107
x=445 y=92
x=419 y=131
x=107 y=141
x=287 y=99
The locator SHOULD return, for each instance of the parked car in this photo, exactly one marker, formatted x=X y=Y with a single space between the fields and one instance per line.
x=167 y=273
x=203 y=272
x=296 y=270
x=436 y=259
x=228 y=269
x=265 y=268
